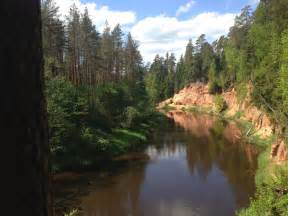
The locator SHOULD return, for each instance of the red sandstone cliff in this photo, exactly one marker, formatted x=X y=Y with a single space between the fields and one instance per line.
x=197 y=95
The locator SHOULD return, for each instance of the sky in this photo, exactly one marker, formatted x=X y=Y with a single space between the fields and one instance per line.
x=162 y=26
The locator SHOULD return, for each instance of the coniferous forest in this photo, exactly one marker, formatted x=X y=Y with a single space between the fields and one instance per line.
x=95 y=89
x=255 y=52
x=92 y=97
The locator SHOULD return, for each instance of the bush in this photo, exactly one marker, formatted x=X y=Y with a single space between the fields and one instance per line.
x=87 y=124
x=167 y=108
x=271 y=199
x=214 y=87
x=242 y=92
x=111 y=100
x=67 y=108
x=131 y=116
x=219 y=104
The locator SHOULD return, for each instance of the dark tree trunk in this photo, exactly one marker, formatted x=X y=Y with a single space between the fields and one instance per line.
x=23 y=110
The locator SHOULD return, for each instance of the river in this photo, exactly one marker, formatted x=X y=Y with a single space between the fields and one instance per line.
x=194 y=165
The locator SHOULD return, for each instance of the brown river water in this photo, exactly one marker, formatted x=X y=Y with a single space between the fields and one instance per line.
x=194 y=165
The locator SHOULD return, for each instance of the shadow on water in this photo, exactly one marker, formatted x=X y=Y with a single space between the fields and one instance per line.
x=195 y=165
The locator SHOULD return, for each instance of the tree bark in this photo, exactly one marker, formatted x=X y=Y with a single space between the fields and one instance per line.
x=23 y=116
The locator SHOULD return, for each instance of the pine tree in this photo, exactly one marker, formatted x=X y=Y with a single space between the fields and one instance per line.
x=117 y=52
x=74 y=46
x=156 y=80
x=106 y=53
x=53 y=39
x=90 y=50
x=133 y=59
x=283 y=78
x=171 y=75
x=203 y=58
x=189 y=63
x=180 y=75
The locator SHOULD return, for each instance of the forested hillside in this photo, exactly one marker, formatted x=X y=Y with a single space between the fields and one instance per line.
x=254 y=54
x=95 y=89
x=255 y=51
x=81 y=113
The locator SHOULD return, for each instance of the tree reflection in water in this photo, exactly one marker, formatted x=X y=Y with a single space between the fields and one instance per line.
x=197 y=165
x=217 y=143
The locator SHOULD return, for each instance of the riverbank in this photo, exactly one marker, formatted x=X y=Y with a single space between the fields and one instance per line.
x=199 y=156
x=256 y=127
x=232 y=104
x=117 y=143
x=103 y=144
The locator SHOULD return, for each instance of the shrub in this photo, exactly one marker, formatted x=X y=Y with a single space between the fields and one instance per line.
x=214 y=87
x=167 y=108
x=242 y=92
x=219 y=104
x=131 y=116
x=271 y=199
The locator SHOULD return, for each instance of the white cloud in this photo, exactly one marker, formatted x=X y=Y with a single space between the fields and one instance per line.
x=254 y=2
x=98 y=14
x=185 y=8
x=161 y=34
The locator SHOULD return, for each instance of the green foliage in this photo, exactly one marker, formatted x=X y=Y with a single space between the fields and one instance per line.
x=271 y=199
x=180 y=79
x=214 y=82
x=131 y=116
x=165 y=77
x=219 y=103
x=67 y=107
x=160 y=79
x=167 y=108
x=281 y=93
x=242 y=92
x=103 y=105
x=82 y=127
x=74 y=212
x=53 y=38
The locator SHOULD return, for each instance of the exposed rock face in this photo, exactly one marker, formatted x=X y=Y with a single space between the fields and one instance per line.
x=279 y=151
x=197 y=94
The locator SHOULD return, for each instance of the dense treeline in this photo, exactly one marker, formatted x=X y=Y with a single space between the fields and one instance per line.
x=165 y=77
x=95 y=89
x=254 y=53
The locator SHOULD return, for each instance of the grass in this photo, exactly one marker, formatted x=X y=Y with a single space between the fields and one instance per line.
x=250 y=134
x=272 y=191
x=126 y=139
x=219 y=104
x=167 y=108
x=123 y=140
x=271 y=180
x=98 y=145
x=198 y=109
x=242 y=92
x=238 y=115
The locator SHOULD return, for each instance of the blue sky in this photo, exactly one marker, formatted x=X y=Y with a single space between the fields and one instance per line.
x=162 y=26
x=145 y=8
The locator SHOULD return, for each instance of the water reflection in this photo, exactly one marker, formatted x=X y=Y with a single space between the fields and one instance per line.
x=197 y=166
x=118 y=195
x=214 y=144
